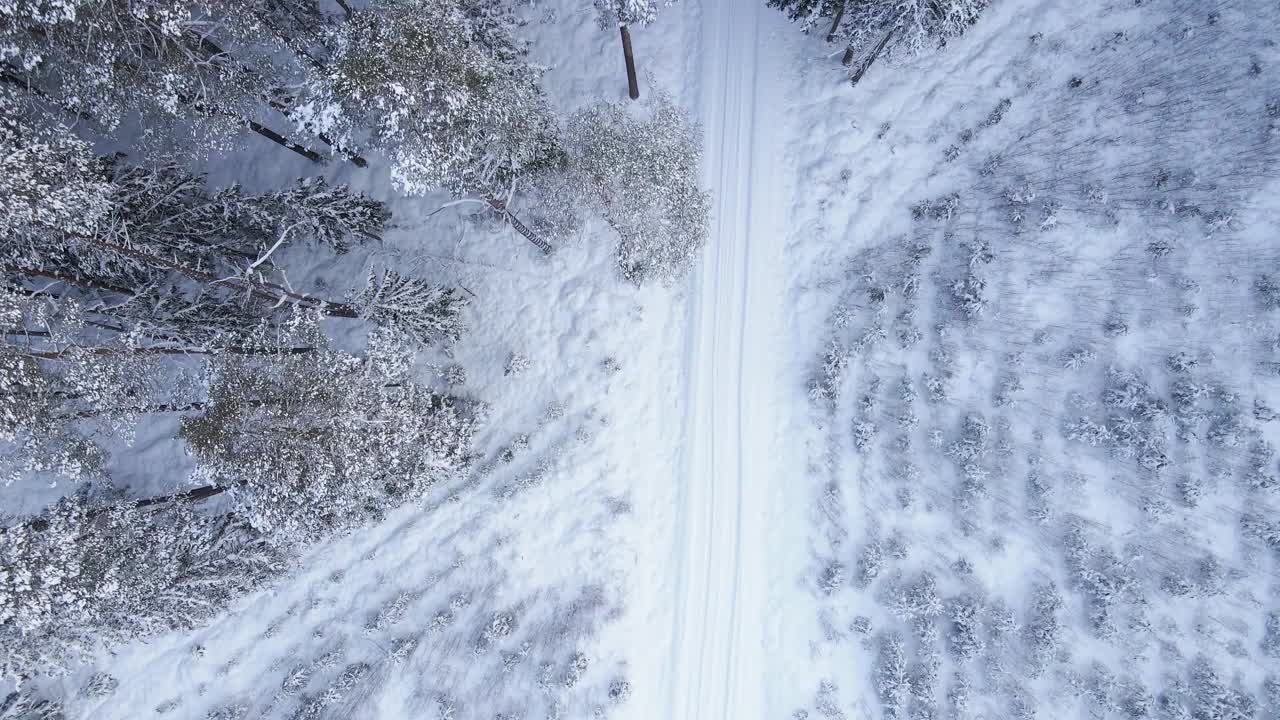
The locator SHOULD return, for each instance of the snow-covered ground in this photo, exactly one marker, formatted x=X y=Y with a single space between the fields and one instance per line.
x=857 y=422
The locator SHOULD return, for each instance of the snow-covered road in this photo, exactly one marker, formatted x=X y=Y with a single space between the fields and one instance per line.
x=718 y=636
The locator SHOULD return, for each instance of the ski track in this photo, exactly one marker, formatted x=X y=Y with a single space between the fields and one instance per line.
x=717 y=637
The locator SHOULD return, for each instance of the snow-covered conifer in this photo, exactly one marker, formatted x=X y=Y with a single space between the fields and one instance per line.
x=169 y=64
x=81 y=575
x=642 y=174
x=965 y=613
x=450 y=100
x=891 y=679
x=1044 y=626
x=315 y=443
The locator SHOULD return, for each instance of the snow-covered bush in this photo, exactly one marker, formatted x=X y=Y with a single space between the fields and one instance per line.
x=1213 y=700
x=18 y=705
x=517 y=364
x=426 y=311
x=891 y=680
x=1267 y=289
x=1271 y=635
x=918 y=601
x=619 y=691
x=966 y=638
x=1044 y=626
x=870 y=563
x=832 y=578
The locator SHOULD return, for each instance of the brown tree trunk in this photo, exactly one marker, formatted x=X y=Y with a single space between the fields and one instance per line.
x=520 y=227
x=835 y=24
x=866 y=64
x=201 y=493
x=285 y=142
x=848 y=56
x=140 y=410
x=633 y=85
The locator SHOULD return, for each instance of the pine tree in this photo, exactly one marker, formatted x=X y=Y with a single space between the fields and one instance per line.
x=447 y=96
x=48 y=383
x=317 y=443
x=642 y=176
x=83 y=575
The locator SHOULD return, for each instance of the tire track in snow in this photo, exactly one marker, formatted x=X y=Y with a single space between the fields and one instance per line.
x=717 y=637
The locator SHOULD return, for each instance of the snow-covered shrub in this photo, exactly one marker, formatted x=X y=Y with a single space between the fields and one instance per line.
x=827 y=702
x=1191 y=489
x=864 y=433
x=641 y=174
x=972 y=445
x=1136 y=703
x=619 y=691
x=1077 y=357
x=517 y=364
x=1267 y=288
x=918 y=601
x=1002 y=623
x=1227 y=430
x=940 y=208
x=100 y=685
x=968 y=293
x=965 y=613
x=1044 y=626
x=832 y=578
x=1105 y=579
x=454 y=375
x=1258 y=473
x=1213 y=700
x=318 y=442
x=18 y=705
x=870 y=563
x=1271 y=635
x=1177 y=583
x=1271 y=696
x=1259 y=527
x=891 y=680
x=1100 y=690
x=923 y=676
x=960 y=693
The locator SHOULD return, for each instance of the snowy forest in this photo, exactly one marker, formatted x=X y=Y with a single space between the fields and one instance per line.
x=751 y=359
